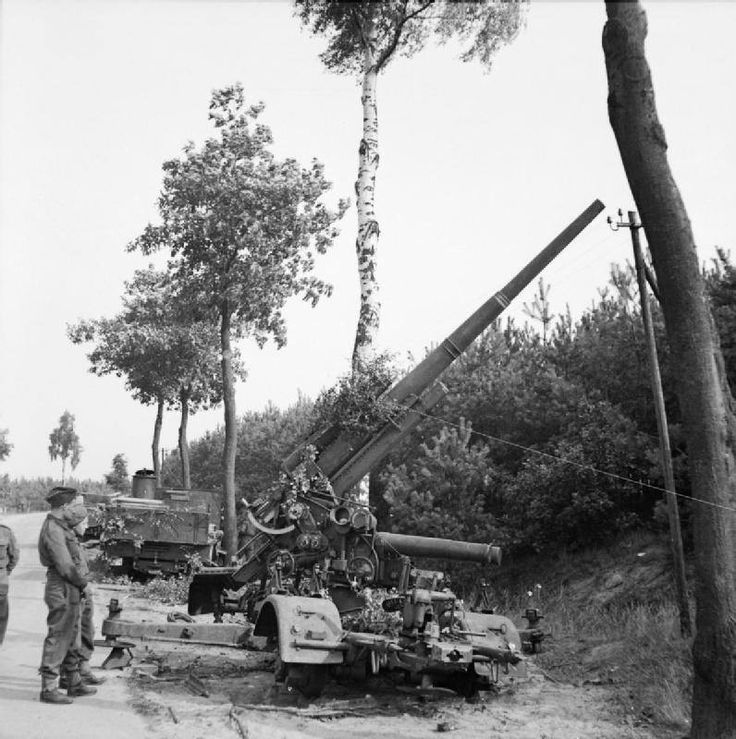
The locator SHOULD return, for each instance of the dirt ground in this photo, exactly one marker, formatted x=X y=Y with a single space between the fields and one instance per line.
x=197 y=691
x=172 y=690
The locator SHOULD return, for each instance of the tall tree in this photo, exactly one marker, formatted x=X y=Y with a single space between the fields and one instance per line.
x=705 y=399
x=64 y=443
x=118 y=478
x=243 y=229
x=362 y=38
x=167 y=356
x=5 y=446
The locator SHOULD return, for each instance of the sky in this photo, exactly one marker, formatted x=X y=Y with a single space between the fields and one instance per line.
x=478 y=172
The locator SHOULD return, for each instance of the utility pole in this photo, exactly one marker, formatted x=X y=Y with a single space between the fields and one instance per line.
x=673 y=514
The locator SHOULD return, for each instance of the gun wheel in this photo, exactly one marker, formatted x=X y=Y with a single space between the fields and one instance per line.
x=309 y=680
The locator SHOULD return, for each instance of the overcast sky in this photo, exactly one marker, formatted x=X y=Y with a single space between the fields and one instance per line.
x=478 y=172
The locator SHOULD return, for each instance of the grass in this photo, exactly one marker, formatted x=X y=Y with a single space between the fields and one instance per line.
x=636 y=649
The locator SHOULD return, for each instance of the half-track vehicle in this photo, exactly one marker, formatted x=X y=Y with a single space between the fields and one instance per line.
x=160 y=530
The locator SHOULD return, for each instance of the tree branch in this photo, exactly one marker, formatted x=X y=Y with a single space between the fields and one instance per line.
x=391 y=48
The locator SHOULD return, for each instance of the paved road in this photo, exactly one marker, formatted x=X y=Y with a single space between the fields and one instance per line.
x=106 y=715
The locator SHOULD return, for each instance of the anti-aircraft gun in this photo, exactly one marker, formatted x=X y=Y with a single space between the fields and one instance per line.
x=310 y=552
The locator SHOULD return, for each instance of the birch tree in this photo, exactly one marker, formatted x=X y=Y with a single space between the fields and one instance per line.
x=705 y=400
x=243 y=229
x=64 y=443
x=362 y=38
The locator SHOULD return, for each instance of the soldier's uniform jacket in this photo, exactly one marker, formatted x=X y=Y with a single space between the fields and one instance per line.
x=58 y=549
x=9 y=553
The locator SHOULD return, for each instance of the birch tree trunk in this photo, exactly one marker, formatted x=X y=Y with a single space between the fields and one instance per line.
x=231 y=434
x=705 y=400
x=368 y=230
x=157 y=440
x=183 y=443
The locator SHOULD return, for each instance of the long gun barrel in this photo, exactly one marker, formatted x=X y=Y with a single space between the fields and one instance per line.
x=427 y=546
x=345 y=460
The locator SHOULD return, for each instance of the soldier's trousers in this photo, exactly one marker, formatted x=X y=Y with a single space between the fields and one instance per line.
x=87 y=630
x=85 y=644
x=61 y=643
x=4 y=611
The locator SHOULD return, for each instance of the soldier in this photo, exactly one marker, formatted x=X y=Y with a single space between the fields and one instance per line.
x=76 y=516
x=65 y=583
x=9 y=554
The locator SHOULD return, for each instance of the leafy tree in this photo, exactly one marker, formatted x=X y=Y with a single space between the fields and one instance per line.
x=167 y=355
x=119 y=478
x=706 y=402
x=362 y=38
x=64 y=443
x=5 y=446
x=578 y=491
x=243 y=229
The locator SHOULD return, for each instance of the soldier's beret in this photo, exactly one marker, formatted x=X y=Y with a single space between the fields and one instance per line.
x=60 y=495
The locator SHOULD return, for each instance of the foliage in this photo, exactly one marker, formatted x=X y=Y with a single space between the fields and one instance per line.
x=372 y=618
x=119 y=478
x=405 y=26
x=579 y=491
x=171 y=590
x=64 y=443
x=355 y=403
x=156 y=344
x=243 y=227
x=563 y=426
x=5 y=446
x=23 y=495
x=265 y=438
x=720 y=280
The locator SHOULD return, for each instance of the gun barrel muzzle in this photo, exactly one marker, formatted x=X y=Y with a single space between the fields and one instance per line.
x=427 y=546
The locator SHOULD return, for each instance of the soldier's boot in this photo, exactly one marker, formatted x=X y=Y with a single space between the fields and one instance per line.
x=51 y=694
x=76 y=688
x=89 y=677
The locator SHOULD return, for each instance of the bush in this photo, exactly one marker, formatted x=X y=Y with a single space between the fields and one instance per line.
x=170 y=590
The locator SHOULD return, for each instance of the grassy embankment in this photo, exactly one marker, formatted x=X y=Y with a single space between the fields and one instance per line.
x=612 y=622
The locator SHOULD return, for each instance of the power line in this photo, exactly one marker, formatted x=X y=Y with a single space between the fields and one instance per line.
x=571 y=462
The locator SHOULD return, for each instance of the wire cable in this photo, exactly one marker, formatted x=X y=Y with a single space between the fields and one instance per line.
x=579 y=465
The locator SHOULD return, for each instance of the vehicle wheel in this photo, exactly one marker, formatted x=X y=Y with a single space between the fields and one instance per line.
x=279 y=670
x=309 y=680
